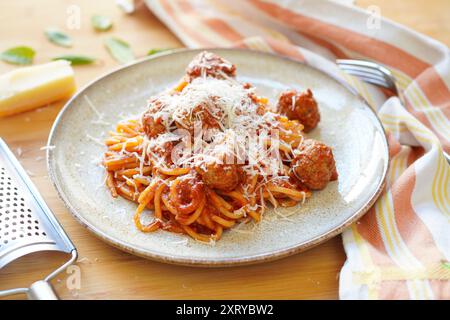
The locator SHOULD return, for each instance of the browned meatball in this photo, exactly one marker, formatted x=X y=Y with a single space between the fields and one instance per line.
x=314 y=166
x=300 y=106
x=153 y=126
x=211 y=65
x=208 y=114
x=224 y=177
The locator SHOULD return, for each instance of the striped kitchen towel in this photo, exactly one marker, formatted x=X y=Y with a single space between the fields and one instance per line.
x=401 y=248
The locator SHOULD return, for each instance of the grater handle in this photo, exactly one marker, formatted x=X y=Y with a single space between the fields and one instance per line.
x=41 y=290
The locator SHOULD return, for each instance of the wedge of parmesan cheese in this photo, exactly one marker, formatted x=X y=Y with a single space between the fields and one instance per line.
x=32 y=87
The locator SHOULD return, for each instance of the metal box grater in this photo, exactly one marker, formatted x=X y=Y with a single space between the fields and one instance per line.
x=27 y=224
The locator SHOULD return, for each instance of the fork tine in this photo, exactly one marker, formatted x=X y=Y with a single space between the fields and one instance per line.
x=360 y=63
x=369 y=67
x=366 y=70
x=374 y=72
x=369 y=79
x=366 y=65
x=362 y=72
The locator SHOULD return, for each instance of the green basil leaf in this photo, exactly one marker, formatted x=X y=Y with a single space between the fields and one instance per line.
x=119 y=49
x=446 y=265
x=58 y=37
x=18 y=55
x=76 y=59
x=101 y=23
x=156 y=50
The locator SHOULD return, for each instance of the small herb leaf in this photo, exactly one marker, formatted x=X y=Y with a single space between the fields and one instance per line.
x=156 y=50
x=18 y=55
x=58 y=37
x=119 y=49
x=76 y=59
x=101 y=23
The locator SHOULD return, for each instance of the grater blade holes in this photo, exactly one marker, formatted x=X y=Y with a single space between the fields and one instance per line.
x=17 y=221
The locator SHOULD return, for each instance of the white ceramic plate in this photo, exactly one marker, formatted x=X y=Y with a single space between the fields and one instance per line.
x=348 y=125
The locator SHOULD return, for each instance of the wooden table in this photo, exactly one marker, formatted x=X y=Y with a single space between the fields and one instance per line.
x=112 y=274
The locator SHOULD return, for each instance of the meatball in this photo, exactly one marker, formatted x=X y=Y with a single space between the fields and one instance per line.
x=225 y=177
x=207 y=113
x=153 y=126
x=209 y=116
x=314 y=166
x=211 y=65
x=300 y=106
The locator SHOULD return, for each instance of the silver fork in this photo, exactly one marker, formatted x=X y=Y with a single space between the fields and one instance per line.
x=375 y=74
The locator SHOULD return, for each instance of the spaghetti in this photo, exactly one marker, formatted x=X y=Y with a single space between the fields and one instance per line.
x=200 y=194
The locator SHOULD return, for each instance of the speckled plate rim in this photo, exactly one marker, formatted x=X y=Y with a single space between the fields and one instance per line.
x=201 y=262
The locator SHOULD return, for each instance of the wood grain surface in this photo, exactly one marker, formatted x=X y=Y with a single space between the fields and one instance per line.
x=107 y=273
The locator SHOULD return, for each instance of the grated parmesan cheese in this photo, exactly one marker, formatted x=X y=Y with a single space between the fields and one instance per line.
x=231 y=105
